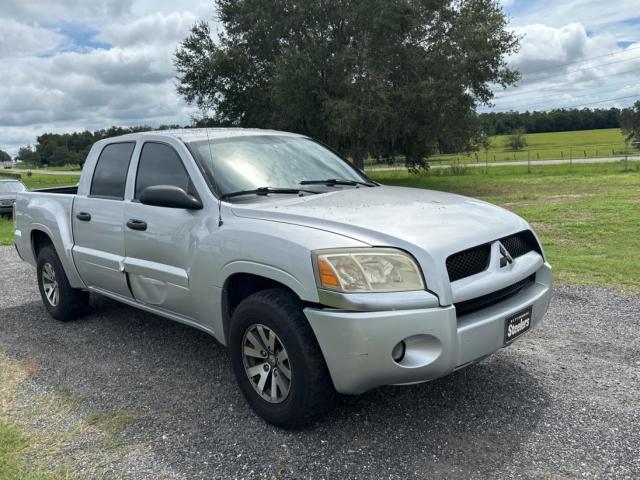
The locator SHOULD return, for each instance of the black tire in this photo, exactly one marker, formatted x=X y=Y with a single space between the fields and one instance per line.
x=71 y=302
x=311 y=393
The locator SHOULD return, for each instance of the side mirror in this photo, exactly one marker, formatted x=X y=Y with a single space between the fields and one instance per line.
x=169 y=196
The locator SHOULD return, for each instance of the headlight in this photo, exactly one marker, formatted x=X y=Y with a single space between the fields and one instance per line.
x=367 y=270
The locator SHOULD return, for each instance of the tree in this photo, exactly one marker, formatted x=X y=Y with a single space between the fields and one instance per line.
x=4 y=157
x=516 y=140
x=630 y=123
x=27 y=155
x=371 y=77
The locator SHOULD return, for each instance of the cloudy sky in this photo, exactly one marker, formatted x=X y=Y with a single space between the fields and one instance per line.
x=70 y=65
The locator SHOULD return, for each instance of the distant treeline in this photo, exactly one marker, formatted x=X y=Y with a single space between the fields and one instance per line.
x=552 y=121
x=54 y=149
x=57 y=149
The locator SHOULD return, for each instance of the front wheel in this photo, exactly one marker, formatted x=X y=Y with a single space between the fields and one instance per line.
x=62 y=301
x=277 y=361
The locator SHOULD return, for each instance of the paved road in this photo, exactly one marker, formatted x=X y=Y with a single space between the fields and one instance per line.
x=564 y=402
x=515 y=163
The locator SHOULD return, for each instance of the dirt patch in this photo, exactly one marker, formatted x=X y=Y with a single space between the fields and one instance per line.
x=63 y=436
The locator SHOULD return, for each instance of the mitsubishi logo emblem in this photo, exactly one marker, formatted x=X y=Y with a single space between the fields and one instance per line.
x=505 y=256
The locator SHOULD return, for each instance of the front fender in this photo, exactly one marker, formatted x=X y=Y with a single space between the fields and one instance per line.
x=307 y=292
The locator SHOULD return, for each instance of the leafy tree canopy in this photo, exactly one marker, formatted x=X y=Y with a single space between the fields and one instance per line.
x=4 y=156
x=371 y=77
x=630 y=123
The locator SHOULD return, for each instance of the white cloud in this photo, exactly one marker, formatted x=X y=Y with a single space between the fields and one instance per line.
x=65 y=10
x=19 y=39
x=568 y=66
x=54 y=79
x=152 y=29
x=597 y=15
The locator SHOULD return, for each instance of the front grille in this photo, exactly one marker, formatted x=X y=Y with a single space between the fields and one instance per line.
x=521 y=243
x=475 y=260
x=6 y=203
x=468 y=262
x=469 y=306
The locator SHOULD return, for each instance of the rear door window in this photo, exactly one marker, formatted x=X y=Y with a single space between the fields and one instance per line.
x=160 y=164
x=110 y=175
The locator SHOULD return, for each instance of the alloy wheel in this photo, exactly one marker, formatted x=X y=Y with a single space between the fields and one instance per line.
x=50 y=284
x=266 y=363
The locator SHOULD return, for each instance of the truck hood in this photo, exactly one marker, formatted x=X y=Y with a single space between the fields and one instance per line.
x=431 y=225
x=8 y=196
x=435 y=221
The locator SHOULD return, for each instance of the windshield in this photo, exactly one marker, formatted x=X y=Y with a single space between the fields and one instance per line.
x=251 y=162
x=11 y=187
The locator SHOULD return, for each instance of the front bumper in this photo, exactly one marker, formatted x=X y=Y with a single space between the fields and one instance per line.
x=357 y=346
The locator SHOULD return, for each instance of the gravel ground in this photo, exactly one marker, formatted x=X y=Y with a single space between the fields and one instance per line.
x=562 y=403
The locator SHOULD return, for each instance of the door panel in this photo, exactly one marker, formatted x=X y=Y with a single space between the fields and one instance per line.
x=99 y=244
x=157 y=259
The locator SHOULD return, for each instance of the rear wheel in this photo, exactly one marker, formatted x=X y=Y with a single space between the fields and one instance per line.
x=61 y=300
x=277 y=361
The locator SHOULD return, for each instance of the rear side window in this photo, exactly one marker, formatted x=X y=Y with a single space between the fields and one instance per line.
x=160 y=164
x=110 y=175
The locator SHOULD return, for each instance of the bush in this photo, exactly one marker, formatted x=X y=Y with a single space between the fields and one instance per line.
x=458 y=169
x=517 y=140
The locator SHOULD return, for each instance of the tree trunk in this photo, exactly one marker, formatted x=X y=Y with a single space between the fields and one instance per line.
x=358 y=159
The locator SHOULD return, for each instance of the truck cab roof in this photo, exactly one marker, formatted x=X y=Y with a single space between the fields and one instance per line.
x=198 y=134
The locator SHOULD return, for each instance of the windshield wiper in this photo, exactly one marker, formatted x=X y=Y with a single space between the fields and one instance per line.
x=265 y=191
x=330 y=182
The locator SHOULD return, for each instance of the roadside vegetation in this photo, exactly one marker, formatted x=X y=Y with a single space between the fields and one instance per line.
x=587 y=216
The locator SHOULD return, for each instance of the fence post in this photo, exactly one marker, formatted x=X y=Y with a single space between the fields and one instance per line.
x=626 y=155
x=528 y=161
x=486 y=162
x=570 y=157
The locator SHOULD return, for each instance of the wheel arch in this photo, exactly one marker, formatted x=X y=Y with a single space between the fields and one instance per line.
x=39 y=237
x=240 y=284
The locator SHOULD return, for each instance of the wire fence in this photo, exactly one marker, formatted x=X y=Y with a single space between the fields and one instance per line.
x=578 y=154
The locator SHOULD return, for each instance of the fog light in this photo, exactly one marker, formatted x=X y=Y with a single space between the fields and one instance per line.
x=398 y=351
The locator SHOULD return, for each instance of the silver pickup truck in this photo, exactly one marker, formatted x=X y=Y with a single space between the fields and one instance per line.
x=318 y=279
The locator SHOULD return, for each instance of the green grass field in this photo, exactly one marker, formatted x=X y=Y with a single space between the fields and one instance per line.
x=587 y=217
x=549 y=146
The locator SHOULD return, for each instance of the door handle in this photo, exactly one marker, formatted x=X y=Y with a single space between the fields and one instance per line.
x=137 y=224
x=83 y=217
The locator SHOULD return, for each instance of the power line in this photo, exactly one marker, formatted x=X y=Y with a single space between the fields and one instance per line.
x=548 y=99
x=610 y=54
x=562 y=84
x=507 y=107
x=571 y=106
x=589 y=68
